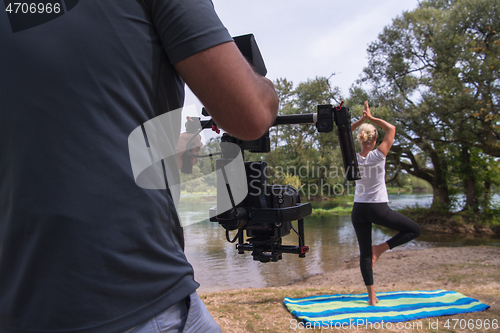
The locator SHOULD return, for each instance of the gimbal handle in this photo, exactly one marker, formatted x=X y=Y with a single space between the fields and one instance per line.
x=292 y=119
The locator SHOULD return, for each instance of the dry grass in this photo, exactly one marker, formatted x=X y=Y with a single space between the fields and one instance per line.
x=473 y=271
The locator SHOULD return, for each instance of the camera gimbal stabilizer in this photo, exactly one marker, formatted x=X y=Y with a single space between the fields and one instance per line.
x=267 y=211
x=245 y=202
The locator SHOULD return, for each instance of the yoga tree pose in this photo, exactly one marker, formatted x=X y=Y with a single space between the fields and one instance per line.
x=370 y=198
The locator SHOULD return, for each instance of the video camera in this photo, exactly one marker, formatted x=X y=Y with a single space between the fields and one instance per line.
x=265 y=212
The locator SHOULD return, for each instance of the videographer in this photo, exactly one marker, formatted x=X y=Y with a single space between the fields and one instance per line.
x=82 y=247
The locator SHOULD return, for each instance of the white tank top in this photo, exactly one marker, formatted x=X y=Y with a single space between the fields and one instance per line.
x=371 y=186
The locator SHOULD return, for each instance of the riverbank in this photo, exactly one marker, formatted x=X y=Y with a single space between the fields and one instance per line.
x=473 y=271
x=455 y=223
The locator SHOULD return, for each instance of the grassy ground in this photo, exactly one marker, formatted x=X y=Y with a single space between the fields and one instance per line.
x=472 y=271
x=334 y=211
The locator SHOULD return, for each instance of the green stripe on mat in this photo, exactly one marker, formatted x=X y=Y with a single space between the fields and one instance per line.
x=394 y=306
x=382 y=303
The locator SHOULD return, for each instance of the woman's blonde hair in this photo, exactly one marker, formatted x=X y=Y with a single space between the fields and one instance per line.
x=366 y=132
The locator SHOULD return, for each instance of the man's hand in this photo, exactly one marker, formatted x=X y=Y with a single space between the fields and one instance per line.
x=194 y=147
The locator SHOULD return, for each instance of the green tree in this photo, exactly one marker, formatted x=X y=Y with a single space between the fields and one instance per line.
x=437 y=68
x=299 y=150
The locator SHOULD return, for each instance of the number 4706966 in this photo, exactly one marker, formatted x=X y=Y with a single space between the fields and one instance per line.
x=33 y=8
x=471 y=324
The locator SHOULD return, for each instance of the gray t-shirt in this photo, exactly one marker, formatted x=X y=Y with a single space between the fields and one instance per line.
x=82 y=247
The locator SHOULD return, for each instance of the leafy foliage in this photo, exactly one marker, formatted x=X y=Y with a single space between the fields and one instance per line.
x=437 y=69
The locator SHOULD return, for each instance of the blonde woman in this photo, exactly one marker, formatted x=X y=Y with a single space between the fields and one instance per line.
x=370 y=198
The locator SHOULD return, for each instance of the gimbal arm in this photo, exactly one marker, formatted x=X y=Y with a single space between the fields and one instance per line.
x=323 y=119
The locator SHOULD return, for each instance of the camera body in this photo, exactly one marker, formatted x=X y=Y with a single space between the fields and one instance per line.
x=265 y=214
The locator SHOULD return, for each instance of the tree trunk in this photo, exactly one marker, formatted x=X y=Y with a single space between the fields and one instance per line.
x=440 y=194
x=487 y=194
x=436 y=176
x=470 y=182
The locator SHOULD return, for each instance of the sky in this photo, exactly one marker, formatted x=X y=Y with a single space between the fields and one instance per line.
x=303 y=39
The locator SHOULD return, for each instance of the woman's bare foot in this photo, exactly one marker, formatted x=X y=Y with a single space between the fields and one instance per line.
x=372 y=297
x=373 y=301
x=377 y=250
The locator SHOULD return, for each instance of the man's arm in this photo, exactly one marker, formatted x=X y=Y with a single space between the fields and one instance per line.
x=239 y=100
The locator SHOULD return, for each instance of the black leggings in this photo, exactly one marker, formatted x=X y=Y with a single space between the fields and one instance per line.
x=363 y=215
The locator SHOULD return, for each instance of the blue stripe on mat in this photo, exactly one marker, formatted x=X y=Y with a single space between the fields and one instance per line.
x=386 y=295
x=383 y=309
x=399 y=306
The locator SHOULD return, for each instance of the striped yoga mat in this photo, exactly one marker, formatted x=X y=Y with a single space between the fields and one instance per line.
x=395 y=306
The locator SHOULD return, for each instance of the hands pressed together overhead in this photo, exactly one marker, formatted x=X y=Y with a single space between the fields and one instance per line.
x=367 y=115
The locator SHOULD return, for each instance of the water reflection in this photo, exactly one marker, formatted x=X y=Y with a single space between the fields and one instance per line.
x=331 y=240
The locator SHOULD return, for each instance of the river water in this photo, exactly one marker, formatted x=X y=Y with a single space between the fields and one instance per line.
x=331 y=240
